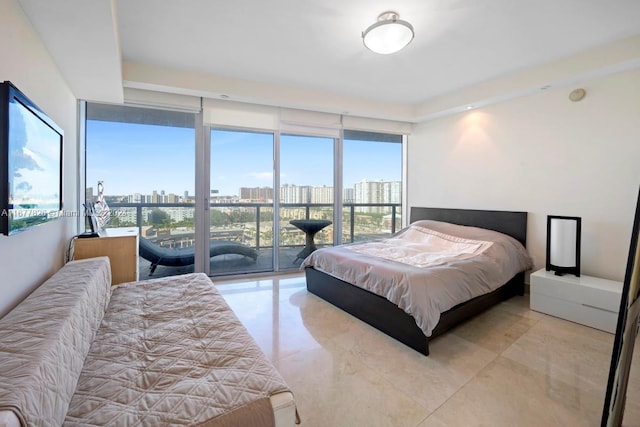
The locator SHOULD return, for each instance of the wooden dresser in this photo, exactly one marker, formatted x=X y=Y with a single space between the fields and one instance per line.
x=120 y=245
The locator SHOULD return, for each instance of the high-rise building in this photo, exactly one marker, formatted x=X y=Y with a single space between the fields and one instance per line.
x=295 y=193
x=392 y=192
x=377 y=192
x=136 y=198
x=322 y=194
x=179 y=214
x=258 y=194
x=348 y=195
x=125 y=215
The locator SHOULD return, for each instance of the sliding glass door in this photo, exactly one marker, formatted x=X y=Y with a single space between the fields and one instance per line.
x=240 y=231
x=306 y=196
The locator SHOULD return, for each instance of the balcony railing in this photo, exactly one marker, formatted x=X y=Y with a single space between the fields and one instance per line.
x=360 y=221
x=172 y=225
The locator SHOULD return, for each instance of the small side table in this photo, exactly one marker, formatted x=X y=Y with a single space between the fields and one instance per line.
x=310 y=228
x=120 y=245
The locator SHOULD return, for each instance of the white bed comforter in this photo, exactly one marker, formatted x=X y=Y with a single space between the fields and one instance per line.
x=428 y=267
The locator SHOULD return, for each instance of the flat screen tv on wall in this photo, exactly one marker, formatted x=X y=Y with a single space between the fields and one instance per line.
x=30 y=163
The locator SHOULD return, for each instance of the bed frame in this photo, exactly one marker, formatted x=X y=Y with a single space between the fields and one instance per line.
x=393 y=321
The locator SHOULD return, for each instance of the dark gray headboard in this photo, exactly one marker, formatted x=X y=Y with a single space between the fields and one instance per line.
x=512 y=223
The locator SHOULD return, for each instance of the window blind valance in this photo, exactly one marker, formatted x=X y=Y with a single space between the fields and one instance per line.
x=225 y=113
x=170 y=101
x=241 y=115
x=376 y=125
x=303 y=122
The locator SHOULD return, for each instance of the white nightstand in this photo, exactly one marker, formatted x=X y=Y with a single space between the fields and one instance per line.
x=587 y=300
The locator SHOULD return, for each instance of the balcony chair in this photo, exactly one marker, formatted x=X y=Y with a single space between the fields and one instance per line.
x=158 y=255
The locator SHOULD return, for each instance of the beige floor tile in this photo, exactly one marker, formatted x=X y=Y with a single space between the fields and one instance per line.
x=266 y=310
x=495 y=329
x=334 y=388
x=520 y=305
x=509 y=366
x=575 y=354
x=430 y=380
x=507 y=393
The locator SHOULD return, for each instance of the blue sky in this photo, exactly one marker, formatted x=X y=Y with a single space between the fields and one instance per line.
x=135 y=158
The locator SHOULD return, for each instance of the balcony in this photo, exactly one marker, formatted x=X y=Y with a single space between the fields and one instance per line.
x=170 y=225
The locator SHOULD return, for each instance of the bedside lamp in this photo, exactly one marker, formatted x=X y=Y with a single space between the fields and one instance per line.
x=563 y=244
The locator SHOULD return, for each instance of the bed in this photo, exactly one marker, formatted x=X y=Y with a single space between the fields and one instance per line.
x=386 y=316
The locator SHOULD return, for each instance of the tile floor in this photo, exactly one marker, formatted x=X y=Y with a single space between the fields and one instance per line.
x=509 y=366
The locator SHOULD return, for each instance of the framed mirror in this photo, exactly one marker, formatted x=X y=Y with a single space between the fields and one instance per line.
x=626 y=333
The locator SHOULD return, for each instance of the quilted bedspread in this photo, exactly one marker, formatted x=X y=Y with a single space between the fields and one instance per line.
x=170 y=351
x=45 y=339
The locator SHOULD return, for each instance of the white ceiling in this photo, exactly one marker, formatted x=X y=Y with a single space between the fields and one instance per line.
x=316 y=44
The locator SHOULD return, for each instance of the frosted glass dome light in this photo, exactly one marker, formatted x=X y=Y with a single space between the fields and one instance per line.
x=388 y=35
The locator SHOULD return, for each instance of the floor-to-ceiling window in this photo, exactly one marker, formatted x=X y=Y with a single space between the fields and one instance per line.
x=372 y=185
x=145 y=160
x=241 y=201
x=306 y=192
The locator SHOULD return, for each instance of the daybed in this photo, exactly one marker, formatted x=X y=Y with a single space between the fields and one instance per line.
x=179 y=257
x=167 y=351
x=405 y=301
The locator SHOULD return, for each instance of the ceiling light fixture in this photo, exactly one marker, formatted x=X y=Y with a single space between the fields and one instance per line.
x=388 y=35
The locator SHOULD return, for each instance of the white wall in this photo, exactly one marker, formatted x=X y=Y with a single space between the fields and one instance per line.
x=30 y=257
x=545 y=155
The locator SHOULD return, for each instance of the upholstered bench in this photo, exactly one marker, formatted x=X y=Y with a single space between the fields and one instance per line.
x=167 y=351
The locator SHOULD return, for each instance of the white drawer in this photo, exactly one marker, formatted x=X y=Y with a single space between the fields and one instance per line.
x=606 y=300
x=555 y=307
x=587 y=300
x=551 y=286
x=585 y=315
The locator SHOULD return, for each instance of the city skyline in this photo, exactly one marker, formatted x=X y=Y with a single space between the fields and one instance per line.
x=134 y=158
x=363 y=192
